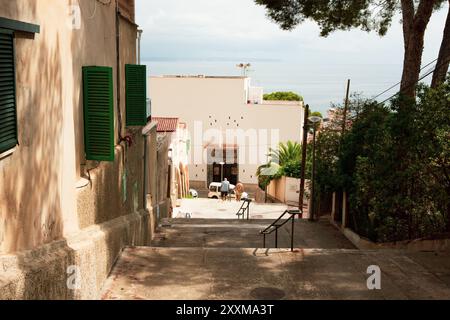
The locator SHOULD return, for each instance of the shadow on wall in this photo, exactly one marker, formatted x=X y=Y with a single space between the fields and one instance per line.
x=31 y=177
x=111 y=191
x=30 y=202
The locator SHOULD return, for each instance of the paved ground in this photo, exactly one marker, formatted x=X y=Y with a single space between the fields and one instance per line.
x=220 y=258
x=218 y=209
x=245 y=234
x=223 y=274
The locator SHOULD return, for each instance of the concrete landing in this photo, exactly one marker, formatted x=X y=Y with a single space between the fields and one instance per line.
x=223 y=274
x=214 y=233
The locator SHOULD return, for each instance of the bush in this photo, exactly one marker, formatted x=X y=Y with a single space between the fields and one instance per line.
x=394 y=163
x=283 y=96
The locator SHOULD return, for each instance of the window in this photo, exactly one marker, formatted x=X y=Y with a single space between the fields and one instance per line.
x=136 y=95
x=8 y=112
x=98 y=113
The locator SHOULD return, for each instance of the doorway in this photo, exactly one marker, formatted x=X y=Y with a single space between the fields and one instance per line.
x=230 y=171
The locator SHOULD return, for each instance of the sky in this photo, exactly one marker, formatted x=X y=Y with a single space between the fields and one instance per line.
x=239 y=31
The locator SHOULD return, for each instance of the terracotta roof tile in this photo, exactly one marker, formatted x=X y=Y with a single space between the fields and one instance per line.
x=166 y=124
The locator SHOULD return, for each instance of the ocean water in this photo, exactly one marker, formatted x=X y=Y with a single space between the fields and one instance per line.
x=319 y=84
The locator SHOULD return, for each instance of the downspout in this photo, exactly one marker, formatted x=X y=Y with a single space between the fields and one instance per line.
x=139 y=37
x=145 y=174
x=118 y=70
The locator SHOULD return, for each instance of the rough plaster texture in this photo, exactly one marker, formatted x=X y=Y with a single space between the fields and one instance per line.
x=42 y=273
x=56 y=208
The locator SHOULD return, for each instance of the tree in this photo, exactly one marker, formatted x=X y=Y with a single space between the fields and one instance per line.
x=283 y=96
x=368 y=15
x=286 y=152
x=444 y=55
x=395 y=193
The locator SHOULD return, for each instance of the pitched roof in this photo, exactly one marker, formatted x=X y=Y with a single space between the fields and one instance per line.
x=166 y=124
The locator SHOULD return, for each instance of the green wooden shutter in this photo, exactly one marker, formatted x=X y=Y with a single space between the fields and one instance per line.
x=98 y=113
x=8 y=113
x=136 y=94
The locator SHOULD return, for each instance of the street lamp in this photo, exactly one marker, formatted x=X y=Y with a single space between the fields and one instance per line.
x=314 y=120
x=221 y=170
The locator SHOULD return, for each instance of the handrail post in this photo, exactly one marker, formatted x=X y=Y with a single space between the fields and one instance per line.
x=248 y=211
x=264 y=241
x=276 y=238
x=292 y=233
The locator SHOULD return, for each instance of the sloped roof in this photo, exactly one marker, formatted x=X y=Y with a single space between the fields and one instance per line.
x=166 y=124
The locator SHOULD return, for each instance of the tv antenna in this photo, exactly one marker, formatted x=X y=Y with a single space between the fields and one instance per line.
x=245 y=68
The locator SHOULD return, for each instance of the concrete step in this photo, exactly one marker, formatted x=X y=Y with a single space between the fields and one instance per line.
x=248 y=273
x=228 y=233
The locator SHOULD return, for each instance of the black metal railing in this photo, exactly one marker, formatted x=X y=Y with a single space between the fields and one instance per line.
x=279 y=223
x=245 y=209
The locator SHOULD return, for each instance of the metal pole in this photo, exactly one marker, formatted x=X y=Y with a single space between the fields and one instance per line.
x=276 y=238
x=292 y=233
x=139 y=34
x=313 y=176
x=303 y=164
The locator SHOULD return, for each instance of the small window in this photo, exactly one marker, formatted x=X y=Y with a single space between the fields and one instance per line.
x=8 y=108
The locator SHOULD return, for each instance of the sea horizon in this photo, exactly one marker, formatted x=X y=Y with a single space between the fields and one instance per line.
x=320 y=85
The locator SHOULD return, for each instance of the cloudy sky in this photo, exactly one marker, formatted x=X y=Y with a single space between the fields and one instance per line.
x=239 y=30
x=211 y=36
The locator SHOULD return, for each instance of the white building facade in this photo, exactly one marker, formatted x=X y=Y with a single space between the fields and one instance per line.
x=231 y=129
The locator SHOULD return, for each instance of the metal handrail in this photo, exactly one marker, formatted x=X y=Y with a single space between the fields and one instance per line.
x=244 y=209
x=275 y=226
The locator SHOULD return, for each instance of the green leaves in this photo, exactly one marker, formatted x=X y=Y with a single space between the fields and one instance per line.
x=283 y=96
x=395 y=165
x=284 y=161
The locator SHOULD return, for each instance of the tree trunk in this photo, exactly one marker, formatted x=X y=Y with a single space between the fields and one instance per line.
x=414 y=26
x=444 y=56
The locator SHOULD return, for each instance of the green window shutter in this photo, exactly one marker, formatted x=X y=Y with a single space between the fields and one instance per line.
x=136 y=94
x=8 y=112
x=98 y=113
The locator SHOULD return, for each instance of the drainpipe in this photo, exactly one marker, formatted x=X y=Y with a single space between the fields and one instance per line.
x=139 y=37
x=118 y=69
x=144 y=196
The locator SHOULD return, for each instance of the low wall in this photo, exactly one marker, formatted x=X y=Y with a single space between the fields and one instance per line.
x=42 y=273
x=411 y=245
x=193 y=184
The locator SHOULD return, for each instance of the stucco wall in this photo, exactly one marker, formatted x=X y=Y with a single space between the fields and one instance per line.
x=220 y=103
x=49 y=193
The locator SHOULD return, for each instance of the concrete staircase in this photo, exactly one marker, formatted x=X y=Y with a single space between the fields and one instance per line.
x=223 y=259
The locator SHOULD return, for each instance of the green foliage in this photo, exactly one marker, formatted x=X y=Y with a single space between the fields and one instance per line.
x=332 y=15
x=315 y=114
x=284 y=161
x=291 y=169
x=283 y=96
x=285 y=153
x=394 y=163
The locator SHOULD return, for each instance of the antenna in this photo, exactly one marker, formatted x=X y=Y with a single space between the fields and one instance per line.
x=244 y=67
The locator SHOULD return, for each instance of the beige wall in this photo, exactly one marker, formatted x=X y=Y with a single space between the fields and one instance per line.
x=220 y=103
x=48 y=191
x=50 y=157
